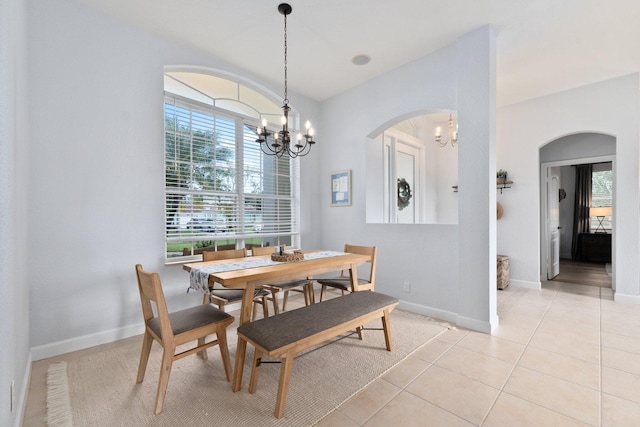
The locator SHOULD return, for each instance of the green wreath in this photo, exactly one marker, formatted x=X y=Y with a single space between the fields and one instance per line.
x=404 y=193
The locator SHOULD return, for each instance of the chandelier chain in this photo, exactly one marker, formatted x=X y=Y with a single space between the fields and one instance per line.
x=286 y=96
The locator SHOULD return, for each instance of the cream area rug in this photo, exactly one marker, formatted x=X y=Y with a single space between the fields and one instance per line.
x=102 y=389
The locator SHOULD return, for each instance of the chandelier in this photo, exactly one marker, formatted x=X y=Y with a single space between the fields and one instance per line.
x=452 y=135
x=281 y=144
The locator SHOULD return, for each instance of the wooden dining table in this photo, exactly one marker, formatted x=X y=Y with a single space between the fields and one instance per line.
x=248 y=279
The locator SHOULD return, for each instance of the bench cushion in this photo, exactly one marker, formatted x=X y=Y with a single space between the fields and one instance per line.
x=278 y=331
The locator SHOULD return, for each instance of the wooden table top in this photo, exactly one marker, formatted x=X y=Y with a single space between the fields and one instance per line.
x=281 y=271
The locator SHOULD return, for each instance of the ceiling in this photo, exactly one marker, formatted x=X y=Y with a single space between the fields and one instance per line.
x=544 y=46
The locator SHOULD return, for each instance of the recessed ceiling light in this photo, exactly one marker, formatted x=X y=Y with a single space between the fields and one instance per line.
x=361 y=59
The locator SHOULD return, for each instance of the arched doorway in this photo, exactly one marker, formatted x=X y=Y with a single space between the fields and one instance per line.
x=571 y=252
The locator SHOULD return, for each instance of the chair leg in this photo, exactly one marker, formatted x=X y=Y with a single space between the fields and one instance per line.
x=322 y=291
x=386 y=326
x=265 y=307
x=144 y=356
x=163 y=382
x=224 y=351
x=274 y=299
x=202 y=353
x=285 y=298
x=312 y=292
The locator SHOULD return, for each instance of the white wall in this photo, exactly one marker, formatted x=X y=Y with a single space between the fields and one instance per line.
x=610 y=107
x=96 y=196
x=426 y=256
x=14 y=290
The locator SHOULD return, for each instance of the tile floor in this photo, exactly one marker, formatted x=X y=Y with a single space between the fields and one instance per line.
x=566 y=355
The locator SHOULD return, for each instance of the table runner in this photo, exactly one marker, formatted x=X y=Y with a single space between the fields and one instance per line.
x=199 y=276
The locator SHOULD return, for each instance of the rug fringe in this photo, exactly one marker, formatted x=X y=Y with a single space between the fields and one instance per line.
x=58 y=402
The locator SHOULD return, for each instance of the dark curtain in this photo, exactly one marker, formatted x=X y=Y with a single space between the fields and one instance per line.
x=581 y=219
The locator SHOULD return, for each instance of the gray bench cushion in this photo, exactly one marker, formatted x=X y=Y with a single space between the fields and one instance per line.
x=278 y=331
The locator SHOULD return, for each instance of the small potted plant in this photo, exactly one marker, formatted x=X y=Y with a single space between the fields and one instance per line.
x=501 y=176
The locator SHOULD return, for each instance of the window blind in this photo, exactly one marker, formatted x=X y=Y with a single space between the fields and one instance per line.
x=219 y=186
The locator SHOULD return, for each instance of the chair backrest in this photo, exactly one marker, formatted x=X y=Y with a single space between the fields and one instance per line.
x=371 y=252
x=150 y=289
x=227 y=254
x=264 y=250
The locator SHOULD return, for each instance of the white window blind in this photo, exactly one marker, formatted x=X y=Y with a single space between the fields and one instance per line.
x=220 y=189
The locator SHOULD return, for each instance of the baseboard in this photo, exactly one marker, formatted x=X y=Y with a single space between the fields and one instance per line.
x=632 y=299
x=474 y=324
x=104 y=337
x=85 y=341
x=447 y=316
x=525 y=284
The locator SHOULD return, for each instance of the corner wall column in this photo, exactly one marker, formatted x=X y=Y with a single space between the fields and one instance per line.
x=476 y=65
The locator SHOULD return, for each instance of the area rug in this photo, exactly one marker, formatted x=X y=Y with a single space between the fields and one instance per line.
x=102 y=389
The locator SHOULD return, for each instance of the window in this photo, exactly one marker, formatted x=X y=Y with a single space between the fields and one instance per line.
x=220 y=190
x=601 y=193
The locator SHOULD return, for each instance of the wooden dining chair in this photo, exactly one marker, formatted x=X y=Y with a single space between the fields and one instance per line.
x=224 y=296
x=304 y=286
x=343 y=282
x=171 y=330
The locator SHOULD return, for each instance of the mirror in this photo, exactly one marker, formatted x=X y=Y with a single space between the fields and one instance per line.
x=410 y=176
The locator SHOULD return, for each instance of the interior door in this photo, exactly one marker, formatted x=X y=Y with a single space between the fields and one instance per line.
x=406 y=194
x=553 y=222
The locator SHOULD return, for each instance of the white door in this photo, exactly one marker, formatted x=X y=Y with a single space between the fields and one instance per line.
x=553 y=222
x=407 y=194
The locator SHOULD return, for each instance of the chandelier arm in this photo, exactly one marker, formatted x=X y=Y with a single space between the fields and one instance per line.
x=306 y=149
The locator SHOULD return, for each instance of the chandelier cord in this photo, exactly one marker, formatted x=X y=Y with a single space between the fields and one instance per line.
x=286 y=97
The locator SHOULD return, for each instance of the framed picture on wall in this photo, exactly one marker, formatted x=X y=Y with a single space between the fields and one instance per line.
x=341 y=188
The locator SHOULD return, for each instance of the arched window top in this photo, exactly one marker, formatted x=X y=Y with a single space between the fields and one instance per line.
x=222 y=93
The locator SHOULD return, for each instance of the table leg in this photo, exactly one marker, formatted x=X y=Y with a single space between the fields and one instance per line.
x=241 y=349
x=353 y=273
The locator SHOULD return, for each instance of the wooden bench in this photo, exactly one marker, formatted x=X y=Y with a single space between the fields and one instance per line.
x=294 y=331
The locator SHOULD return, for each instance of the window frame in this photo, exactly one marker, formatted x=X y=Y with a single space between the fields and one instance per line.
x=607 y=222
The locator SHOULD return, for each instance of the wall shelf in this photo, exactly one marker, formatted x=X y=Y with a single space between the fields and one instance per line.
x=501 y=184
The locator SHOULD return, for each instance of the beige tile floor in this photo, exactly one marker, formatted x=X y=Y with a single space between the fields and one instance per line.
x=566 y=355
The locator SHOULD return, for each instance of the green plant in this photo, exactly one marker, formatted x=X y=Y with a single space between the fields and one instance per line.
x=501 y=174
